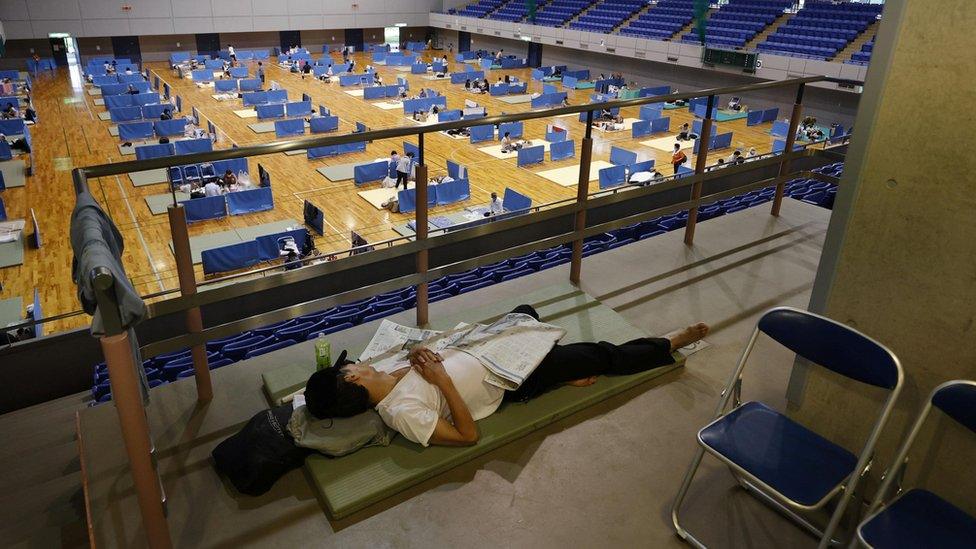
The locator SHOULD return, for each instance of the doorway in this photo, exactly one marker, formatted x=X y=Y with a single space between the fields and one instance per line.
x=59 y=47
x=391 y=37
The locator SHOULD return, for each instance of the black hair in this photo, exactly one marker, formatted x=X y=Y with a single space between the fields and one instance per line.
x=328 y=394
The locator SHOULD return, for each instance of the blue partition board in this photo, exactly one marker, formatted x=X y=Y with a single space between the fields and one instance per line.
x=358 y=146
x=561 y=150
x=661 y=125
x=114 y=89
x=512 y=63
x=199 y=209
x=379 y=55
x=230 y=258
x=514 y=89
x=754 y=118
x=699 y=110
x=356 y=79
x=166 y=90
x=214 y=64
x=375 y=92
x=134 y=131
x=254 y=98
x=407 y=200
x=780 y=128
x=514 y=201
x=151 y=98
x=179 y=57
x=202 y=75
x=650 y=112
x=115 y=101
x=449 y=116
x=324 y=111
x=250 y=84
x=418 y=68
x=531 y=155
x=613 y=177
x=125 y=114
x=498 y=89
x=254 y=200
x=323 y=124
x=570 y=81
x=644 y=166
x=770 y=115
x=269 y=245
x=453 y=191
x=154 y=151
x=696 y=127
x=411 y=148
x=320 y=70
x=153 y=112
x=640 y=128
x=291 y=127
x=236 y=165
x=720 y=141
x=298 y=108
x=779 y=146
x=190 y=146
x=482 y=133
x=651 y=92
x=549 y=88
x=514 y=128
x=438 y=67
x=130 y=78
x=277 y=96
x=367 y=173
x=238 y=72
x=423 y=104
x=225 y=85
x=12 y=126
x=456 y=170
x=485 y=64
x=538 y=74
x=176 y=126
x=556 y=135
x=5 y=154
x=622 y=156
x=98 y=81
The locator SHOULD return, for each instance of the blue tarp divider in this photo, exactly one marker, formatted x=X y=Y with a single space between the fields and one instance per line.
x=549 y=99
x=549 y=88
x=561 y=150
x=651 y=111
x=225 y=85
x=146 y=152
x=570 y=81
x=453 y=191
x=153 y=112
x=254 y=98
x=456 y=171
x=423 y=104
x=770 y=115
x=249 y=84
x=651 y=92
x=461 y=77
x=408 y=198
x=356 y=80
x=449 y=116
x=754 y=118
x=114 y=101
x=367 y=173
x=213 y=64
x=485 y=64
x=125 y=114
x=538 y=74
x=698 y=109
x=202 y=75
x=531 y=155
x=779 y=146
x=230 y=258
x=298 y=108
x=150 y=98
x=696 y=127
x=418 y=68
x=780 y=128
x=269 y=246
x=130 y=78
x=661 y=125
x=720 y=141
x=276 y=110
x=254 y=200
x=411 y=148
x=179 y=57
x=482 y=133
x=135 y=131
x=379 y=55
x=189 y=146
x=515 y=202
x=513 y=128
x=238 y=72
x=277 y=96
x=620 y=156
x=200 y=209
x=235 y=165
x=97 y=81
x=12 y=126
x=640 y=128
x=176 y=126
x=288 y=128
x=613 y=176
x=324 y=124
x=644 y=166
x=114 y=89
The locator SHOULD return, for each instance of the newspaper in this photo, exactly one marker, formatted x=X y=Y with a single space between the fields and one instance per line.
x=510 y=348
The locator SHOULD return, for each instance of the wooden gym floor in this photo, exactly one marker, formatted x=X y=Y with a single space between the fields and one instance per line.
x=70 y=134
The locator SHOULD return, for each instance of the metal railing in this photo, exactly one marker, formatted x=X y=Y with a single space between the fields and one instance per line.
x=115 y=345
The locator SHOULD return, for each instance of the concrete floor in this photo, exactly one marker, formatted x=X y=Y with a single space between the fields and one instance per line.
x=603 y=477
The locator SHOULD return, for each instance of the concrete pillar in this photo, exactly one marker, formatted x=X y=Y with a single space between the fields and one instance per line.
x=899 y=262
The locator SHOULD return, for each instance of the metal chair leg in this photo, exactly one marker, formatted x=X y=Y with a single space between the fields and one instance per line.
x=680 y=497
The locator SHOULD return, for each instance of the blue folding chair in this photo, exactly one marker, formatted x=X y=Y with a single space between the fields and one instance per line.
x=918 y=517
x=787 y=465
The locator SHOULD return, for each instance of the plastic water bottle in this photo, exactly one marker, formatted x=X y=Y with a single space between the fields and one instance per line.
x=323 y=353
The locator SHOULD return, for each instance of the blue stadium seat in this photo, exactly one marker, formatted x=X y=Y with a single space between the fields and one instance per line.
x=220 y=363
x=296 y=332
x=265 y=331
x=237 y=350
x=258 y=351
x=215 y=345
x=381 y=313
x=330 y=330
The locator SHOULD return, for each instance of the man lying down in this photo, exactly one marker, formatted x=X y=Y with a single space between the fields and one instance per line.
x=433 y=396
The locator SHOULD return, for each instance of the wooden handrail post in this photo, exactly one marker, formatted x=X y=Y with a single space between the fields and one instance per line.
x=127 y=398
x=420 y=218
x=582 y=194
x=784 y=166
x=701 y=162
x=188 y=287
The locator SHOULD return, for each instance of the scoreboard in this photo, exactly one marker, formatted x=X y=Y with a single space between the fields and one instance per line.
x=745 y=61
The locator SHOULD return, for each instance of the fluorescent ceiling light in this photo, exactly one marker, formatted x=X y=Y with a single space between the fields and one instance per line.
x=527 y=38
x=399 y=24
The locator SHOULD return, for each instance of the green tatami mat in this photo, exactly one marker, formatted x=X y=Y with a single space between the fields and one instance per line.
x=11 y=310
x=368 y=476
x=14 y=173
x=148 y=177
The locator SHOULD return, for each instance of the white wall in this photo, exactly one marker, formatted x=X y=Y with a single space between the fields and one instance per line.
x=37 y=18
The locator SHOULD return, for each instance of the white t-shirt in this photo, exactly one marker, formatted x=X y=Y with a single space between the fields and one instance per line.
x=230 y=50
x=212 y=189
x=403 y=165
x=414 y=405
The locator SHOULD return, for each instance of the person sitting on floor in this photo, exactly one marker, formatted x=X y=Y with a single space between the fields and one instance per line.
x=10 y=111
x=132 y=90
x=467 y=84
x=166 y=115
x=306 y=69
x=684 y=134
x=495 y=206
x=229 y=179
x=436 y=398
x=509 y=144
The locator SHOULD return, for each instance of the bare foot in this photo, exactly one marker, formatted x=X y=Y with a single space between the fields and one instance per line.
x=585 y=382
x=689 y=335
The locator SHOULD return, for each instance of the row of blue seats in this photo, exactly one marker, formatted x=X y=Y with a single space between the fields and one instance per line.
x=228 y=350
x=812 y=52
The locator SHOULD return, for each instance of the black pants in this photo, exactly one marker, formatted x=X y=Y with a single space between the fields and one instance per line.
x=581 y=360
x=402 y=176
